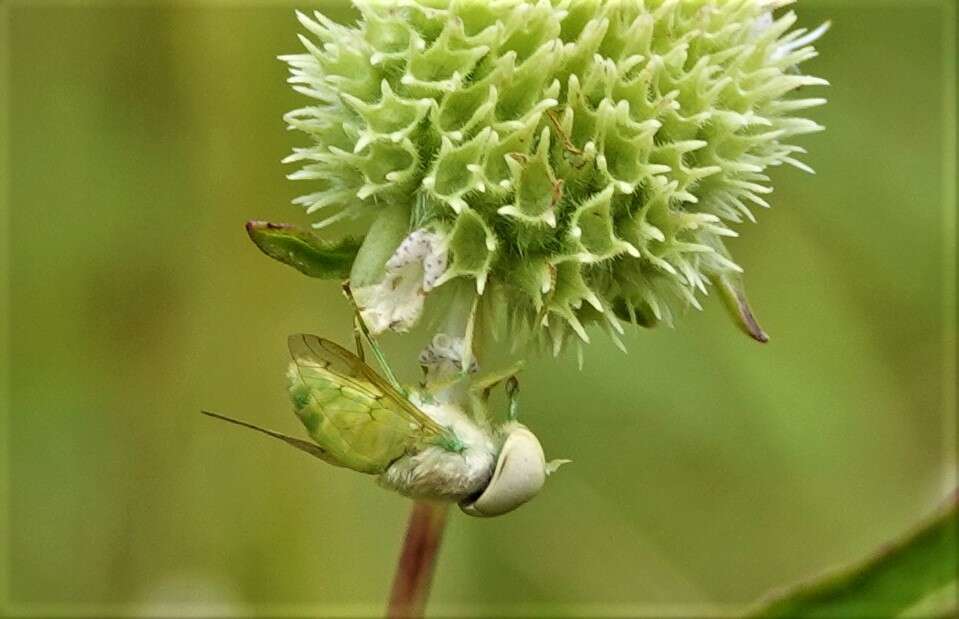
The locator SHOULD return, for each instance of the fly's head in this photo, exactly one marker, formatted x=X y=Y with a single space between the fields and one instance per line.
x=520 y=473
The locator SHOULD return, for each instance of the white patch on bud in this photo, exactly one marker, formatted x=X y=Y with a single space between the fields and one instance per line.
x=442 y=363
x=396 y=302
x=444 y=356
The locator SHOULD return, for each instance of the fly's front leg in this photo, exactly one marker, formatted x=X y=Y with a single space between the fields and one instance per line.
x=357 y=323
x=361 y=332
x=512 y=394
x=358 y=340
x=483 y=387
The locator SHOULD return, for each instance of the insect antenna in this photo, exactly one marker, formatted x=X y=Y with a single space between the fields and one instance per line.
x=310 y=448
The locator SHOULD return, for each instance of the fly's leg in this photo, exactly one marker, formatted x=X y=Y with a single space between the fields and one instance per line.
x=364 y=334
x=483 y=387
x=360 y=331
x=358 y=339
x=512 y=394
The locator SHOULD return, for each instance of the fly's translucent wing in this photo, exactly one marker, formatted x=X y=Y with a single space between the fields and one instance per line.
x=312 y=354
x=352 y=413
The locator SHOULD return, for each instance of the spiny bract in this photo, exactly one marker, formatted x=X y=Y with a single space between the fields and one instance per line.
x=582 y=160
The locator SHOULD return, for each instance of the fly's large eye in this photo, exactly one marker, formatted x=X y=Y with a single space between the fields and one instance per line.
x=519 y=475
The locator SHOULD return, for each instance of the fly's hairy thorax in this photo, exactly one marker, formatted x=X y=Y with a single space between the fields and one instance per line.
x=438 y=472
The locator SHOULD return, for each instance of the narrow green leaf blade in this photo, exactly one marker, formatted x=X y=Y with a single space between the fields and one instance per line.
x=303 y=250
x=916 y=572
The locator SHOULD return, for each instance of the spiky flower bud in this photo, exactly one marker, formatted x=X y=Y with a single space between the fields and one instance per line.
x=578 y=160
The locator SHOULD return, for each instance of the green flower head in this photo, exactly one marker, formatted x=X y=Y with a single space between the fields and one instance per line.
x=566 y=162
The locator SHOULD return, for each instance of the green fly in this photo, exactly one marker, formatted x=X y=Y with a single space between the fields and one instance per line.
x=416 y=443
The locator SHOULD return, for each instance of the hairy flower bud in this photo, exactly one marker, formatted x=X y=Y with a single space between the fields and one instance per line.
x=582 y=160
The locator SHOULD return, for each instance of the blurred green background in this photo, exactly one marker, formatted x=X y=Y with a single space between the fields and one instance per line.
x=707 y=470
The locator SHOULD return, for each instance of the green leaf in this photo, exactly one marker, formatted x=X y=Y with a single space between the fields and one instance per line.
x=941 y=603
x=914 y=576
x=303 y=250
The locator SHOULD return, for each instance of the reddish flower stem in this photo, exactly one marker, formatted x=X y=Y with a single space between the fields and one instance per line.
x=414 y=572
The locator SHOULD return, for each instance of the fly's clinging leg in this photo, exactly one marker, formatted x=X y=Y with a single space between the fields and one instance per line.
x=358 y=339
x=512 y=393
x=362 y=332
x=483 y=386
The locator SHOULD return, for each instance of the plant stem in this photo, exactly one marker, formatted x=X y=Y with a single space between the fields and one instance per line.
x=414 y=572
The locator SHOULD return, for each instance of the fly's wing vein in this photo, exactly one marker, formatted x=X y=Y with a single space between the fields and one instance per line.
x=312 y=361
x=319 y=355
x=348 y=409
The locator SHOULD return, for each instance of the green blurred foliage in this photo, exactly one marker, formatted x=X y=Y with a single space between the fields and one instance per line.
x=707 y=468
x=914 y=576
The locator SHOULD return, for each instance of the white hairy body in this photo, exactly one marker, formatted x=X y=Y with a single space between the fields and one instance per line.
x=437 y=473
